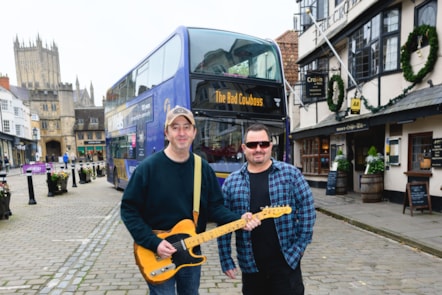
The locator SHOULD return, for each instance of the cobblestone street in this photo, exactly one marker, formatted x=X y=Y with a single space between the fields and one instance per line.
x=75 y=243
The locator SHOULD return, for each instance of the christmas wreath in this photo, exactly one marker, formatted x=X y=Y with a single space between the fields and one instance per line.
x=411 y=45
x=330 y=93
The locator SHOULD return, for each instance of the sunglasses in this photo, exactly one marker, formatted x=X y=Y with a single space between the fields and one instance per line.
x=254 y=144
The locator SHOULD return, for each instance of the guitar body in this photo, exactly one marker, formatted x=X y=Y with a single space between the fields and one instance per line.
x=155 y=269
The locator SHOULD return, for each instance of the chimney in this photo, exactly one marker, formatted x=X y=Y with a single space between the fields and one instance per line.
x=4 y=82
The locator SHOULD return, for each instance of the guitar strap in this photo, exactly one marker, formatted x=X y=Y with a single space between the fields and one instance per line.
x=196 y=188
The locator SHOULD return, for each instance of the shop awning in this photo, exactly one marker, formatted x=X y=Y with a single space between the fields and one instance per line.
x=421 y=103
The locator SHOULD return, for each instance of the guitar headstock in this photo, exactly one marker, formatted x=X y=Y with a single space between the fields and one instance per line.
x=269 y=212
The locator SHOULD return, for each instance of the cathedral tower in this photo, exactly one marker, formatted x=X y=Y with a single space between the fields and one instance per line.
x=37 y=66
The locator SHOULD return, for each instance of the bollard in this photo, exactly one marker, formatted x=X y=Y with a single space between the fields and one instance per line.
x=30 y=188
x=81 y=174
x=5 y=199
x=48 y=180
x=94 y=174
x=73 y=176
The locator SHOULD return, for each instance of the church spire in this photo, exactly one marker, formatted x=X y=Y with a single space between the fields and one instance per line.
x=77 y=84
x=91 y=89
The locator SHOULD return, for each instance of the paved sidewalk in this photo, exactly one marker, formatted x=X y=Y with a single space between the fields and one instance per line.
x=422 y=230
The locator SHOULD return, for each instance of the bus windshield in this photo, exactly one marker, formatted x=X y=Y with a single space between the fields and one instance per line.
x=231 y=54
x=219 y=142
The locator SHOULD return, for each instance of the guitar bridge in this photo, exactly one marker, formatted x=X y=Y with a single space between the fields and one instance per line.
x=162 y=270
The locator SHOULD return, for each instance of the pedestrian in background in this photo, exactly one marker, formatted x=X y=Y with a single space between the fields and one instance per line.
x=270 y=256
x=66 y=160
x=6 y=162
x=160 y=194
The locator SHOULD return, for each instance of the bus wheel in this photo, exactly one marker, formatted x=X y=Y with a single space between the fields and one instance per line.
x=115 y=180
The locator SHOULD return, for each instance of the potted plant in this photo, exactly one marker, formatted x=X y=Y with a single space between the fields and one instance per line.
x=372 y=182
x=57 y=183
x=63 y=181
x=342 y=167
x=85 y=174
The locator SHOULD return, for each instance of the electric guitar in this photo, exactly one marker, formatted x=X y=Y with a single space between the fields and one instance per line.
x=183 y=237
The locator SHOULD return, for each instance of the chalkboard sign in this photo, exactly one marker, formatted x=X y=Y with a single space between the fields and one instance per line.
x=417 y=197
x=331 y=183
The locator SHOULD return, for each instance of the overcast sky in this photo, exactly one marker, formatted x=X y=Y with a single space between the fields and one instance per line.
x=99 y=41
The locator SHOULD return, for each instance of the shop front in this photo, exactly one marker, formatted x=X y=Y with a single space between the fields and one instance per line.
x=91 y=151
x=408 y=134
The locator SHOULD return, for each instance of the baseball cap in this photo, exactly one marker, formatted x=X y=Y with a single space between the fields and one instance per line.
x=176 y=112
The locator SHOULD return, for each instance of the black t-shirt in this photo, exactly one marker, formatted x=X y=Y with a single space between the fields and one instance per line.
x=265 y=242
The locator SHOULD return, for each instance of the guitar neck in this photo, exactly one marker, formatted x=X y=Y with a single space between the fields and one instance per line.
x=219 y=231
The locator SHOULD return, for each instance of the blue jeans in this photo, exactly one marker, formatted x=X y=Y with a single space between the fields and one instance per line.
x=187 y=281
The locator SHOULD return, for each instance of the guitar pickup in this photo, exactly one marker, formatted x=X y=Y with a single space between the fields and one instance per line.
x=162 y=270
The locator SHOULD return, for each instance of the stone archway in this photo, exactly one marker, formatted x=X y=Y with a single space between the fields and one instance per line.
x=53 y=148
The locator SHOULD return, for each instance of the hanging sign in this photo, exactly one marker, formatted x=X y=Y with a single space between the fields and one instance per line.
x=315 y=85
x=355 y=108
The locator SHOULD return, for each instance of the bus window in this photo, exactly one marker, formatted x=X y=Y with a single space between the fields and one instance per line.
x=124 y=147
x=225 y=53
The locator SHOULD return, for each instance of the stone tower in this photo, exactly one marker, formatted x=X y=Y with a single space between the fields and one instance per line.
x=37 y=66
x=38 y=70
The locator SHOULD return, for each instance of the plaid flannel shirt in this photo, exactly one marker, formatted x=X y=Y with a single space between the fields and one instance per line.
x=287 y=186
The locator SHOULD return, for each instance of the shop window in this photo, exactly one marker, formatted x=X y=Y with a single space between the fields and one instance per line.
x=315 y=156
x=419 y=156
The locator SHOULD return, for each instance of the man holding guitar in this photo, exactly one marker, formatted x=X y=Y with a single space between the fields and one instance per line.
x=160 y=210
x=270 y=256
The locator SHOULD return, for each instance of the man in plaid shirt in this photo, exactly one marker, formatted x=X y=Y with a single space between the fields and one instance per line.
x=270 y=256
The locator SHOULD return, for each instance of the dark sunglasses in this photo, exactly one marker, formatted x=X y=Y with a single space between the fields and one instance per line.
x=254 y=144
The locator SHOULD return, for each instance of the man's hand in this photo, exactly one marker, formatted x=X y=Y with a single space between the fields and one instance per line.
x=231 y=273
x=252 y=222
x=165 y=249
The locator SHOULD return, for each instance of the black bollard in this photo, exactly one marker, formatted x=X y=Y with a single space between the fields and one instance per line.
x=81 y=174
x=30 y=188
x=73 y=176
x=94 y=172
x=48 y=180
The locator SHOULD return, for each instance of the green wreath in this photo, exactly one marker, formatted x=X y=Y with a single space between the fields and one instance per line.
x=331 y=104
x=411 y=45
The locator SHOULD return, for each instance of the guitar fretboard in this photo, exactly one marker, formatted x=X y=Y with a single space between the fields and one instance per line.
x=233 y=226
